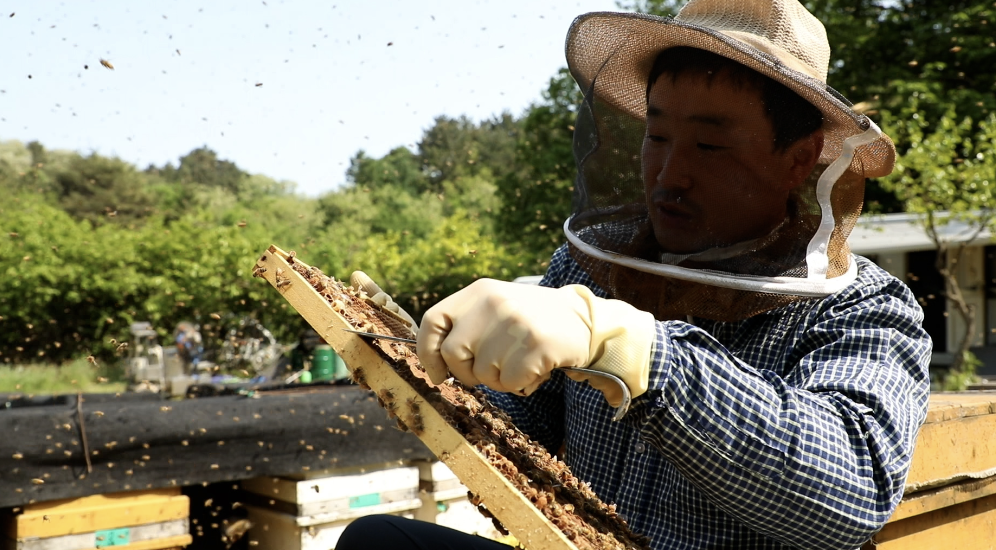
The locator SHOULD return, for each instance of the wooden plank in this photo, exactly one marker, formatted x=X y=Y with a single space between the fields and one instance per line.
x=98 y=512
x=178 y=541
x=162 y=533
x=952 y=445
x=503 y=500
x=967 y=526
x=108 y=500
x=334 y=487
x=944 y=497
x=949 y=406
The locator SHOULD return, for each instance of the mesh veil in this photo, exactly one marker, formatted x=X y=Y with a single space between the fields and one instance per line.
x=612 y=234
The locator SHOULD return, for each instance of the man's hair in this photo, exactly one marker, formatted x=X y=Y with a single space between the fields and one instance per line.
x=792 y=117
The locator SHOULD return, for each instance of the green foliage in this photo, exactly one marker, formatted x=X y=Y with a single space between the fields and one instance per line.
x=664 y=8
x=536 y=198
x=91 y=245
x=454 y=148
x=961 y=379
x=202 y=166
x=97 y=188
x=69 y=287
x=71 y=377
x=396 y=211
x=73 y=277
x=14 y=156
x=878 y=44
x=399 y=168
x=420 y=272
x=948 y=163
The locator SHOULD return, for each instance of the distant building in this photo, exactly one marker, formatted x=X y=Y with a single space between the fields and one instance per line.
x=898 y=243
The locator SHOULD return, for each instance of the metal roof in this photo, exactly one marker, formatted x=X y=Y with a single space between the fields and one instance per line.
x=876 y=234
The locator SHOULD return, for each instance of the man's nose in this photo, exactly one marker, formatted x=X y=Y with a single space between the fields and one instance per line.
x=674 y=172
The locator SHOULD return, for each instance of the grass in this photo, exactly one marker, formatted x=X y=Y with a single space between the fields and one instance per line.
x=72 y=377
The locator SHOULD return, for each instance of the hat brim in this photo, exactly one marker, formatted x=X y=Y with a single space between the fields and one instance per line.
x=620 y=48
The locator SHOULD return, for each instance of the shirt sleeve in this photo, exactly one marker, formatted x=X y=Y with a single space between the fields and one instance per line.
x=811 y=445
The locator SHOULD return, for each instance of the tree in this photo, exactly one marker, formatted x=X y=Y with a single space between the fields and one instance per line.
x=947 y=173
x=101 y=189
x=203 y=166
x=453 y=148
x=399 y=167
x=536 y=198
x=420 y=272
x=664 y=8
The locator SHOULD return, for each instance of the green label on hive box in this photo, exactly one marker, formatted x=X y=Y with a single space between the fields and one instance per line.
x=113 y=537
x=364 y=500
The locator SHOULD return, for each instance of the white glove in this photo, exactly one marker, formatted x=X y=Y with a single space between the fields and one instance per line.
x=363 y=282
x=510 y=336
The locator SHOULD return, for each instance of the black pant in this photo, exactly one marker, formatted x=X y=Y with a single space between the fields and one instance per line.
x=395 y=533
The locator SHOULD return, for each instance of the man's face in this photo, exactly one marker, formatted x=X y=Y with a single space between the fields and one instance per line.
x=711 y=174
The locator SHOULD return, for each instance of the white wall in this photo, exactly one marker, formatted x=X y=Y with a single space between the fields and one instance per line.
x=895 y=263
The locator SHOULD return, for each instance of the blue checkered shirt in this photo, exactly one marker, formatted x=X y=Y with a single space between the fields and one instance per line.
x=790 y=429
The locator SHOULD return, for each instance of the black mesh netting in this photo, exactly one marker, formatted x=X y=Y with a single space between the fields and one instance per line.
x=611 y=213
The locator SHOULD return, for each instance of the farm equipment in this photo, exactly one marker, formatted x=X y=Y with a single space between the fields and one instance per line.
x=150 y=367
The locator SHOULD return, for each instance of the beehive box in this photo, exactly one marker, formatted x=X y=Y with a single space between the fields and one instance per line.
x=338 y=494
x=309 y=511
x=139 y=520
x=950 y=499
x=445 y=502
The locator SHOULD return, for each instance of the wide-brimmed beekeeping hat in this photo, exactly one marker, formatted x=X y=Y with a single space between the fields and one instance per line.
x=777 y=38
x=611 y=56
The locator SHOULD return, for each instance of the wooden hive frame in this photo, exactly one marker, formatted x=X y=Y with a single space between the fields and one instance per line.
x=369 y=367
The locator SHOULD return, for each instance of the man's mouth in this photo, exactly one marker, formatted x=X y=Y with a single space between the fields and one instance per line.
x=674 y=211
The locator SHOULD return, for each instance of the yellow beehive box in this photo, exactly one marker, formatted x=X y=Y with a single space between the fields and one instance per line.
x=950 y=499
x=139 y=520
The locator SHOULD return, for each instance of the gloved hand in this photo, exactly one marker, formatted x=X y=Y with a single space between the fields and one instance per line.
x=363 y=281
x=510 y=336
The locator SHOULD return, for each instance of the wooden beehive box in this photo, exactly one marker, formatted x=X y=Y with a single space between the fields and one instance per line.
x=950 y=499
x=337 y=495
x=139 y=520
x=309 y=511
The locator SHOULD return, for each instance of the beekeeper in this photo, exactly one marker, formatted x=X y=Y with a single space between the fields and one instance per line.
x=780 y=380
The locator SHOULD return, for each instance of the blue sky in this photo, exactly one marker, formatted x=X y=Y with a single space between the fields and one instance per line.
x=284 y=88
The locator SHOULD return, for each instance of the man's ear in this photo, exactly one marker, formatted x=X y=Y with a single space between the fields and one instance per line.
x=803 y=156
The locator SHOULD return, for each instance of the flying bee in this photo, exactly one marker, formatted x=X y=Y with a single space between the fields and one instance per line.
x=106 y=63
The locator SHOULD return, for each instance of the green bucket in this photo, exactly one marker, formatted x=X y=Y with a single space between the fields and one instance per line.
x=323 y=363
